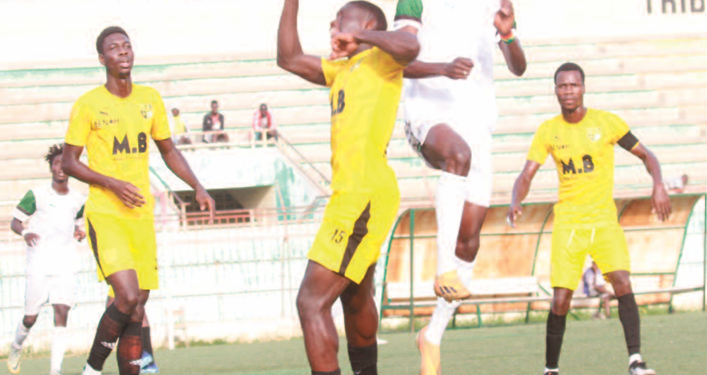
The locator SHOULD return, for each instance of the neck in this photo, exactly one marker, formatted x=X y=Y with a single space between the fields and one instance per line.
x=575 y=115
x=214 y=113
x=120 y=87
x=61 y=187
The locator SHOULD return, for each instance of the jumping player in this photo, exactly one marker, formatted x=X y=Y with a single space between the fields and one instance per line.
x=365 y=85
x=47 y=220
x=450 y=113
x=114 y=121
x=581 y=141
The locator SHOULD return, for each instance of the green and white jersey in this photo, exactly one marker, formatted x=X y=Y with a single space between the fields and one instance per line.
x=53 y=217
x=448 y=29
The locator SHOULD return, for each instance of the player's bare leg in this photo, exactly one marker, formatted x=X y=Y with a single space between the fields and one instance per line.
x=446 y=150
x=630 y=320
x=319 y=290
x=361 y=322
x=148 y=364
x=122 y=320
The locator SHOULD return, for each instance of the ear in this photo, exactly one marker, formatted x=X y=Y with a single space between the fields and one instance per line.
x=102 y=59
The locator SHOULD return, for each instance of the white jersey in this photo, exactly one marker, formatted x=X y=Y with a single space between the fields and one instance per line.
x=52 y=217
x=449 y=29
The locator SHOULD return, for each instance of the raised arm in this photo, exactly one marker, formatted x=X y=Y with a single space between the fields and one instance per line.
x=179 y=166
x=401 y=45
x=128 y=193
x=509 y=44
x=520 y=191
x=457 y=69
x=289 y=50
x=660 y=199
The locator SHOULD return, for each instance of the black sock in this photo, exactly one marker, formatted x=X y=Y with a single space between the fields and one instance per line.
x=147 y=341
x=553 y=339
x=628 y=313
x=130 y=349
x=111 y=326
x=335 y=372
x=364 y=359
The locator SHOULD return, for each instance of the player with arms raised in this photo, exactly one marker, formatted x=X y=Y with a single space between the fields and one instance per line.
x=365 y=83
x=450 y=113
x=581 y=141
x=46 y=218
x=113 y=122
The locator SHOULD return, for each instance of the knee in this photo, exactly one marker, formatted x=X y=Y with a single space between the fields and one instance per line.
x=127 y=303
x=458 y=160
x=621 y=284
x=467 y=248
x=561 y=305
x=308 y=305
x=29 y=321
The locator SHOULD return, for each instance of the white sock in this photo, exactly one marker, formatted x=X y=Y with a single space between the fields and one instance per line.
x=88 y=370
x=449 y=205
x=58 y=349
x=20 y=336
x=549 y=369
x=465 y=270
x=634 y=358
x=440 y=318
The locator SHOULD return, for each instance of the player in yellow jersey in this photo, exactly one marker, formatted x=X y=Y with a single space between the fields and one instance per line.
x=581 y=142
x=114 y=122
x=365 y=75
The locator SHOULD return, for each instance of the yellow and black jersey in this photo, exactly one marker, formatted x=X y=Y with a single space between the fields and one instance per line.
x=115 y=132
x=365 y=93
x=584 y=156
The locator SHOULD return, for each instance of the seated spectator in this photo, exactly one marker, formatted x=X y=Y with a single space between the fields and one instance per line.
x=214 y=122
x=180 y=132
x=676 y=184
x=595 y=286
x=264 y=123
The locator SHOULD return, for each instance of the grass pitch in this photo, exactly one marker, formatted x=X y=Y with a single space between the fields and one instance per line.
x=672 y=345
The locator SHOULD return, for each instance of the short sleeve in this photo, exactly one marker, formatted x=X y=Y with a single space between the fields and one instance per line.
x=617 y=128
x=538 y=149
x=79 y=214
x=79 y=125
x=160 y=121
x=26 y=208
x=331 y=69
x=408 y=13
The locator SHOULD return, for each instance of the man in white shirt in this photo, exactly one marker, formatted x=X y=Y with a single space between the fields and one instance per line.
x=595 y=286
x=47 y=220
x=450 y=113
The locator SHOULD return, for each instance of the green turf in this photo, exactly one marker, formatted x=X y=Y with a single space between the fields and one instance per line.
x=672 y=345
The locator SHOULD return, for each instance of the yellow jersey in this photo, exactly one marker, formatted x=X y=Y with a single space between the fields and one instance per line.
x=584 y=156
x=179 y=125
x=115 y=132
x=364 y=97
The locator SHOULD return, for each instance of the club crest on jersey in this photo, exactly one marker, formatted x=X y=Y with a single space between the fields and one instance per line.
x=146 y=111
x=594 y=134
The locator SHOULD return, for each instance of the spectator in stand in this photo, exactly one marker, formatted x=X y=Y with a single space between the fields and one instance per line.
x=676 y=184
x=264 y=123
x=180 y=131
x=595 y=286
x=214 y=122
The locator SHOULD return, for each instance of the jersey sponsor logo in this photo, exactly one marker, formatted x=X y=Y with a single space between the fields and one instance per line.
x=569 y=167
x=146 y=111
x=338 y=107
x=594 y=134
x=123 y=146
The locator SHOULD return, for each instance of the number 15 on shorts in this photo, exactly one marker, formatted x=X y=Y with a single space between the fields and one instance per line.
x=338 y=236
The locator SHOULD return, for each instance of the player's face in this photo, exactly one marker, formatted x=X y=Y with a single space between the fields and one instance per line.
x=117 y=55
x=570 y=90
x=214 y=107
x=175 y=112
x=58 y=173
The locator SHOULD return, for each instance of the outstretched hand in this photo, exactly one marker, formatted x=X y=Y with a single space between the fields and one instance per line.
x=505 y=18
x=459 y=68
x=343 y=45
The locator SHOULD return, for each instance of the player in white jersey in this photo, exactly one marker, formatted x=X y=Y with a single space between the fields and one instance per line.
x=47 y=220
x=450 y=113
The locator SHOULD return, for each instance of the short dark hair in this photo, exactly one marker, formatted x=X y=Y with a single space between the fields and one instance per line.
x=374 y=11
x=214 y=102
x=54 y=151
x=108 y=31
x=569 y=67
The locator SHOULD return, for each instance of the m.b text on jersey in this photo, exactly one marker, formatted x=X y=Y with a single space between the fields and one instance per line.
x=123 y=146
x=587 y=166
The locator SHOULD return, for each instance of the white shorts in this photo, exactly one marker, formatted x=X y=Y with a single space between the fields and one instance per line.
x=55 y=290
x=480 y=178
